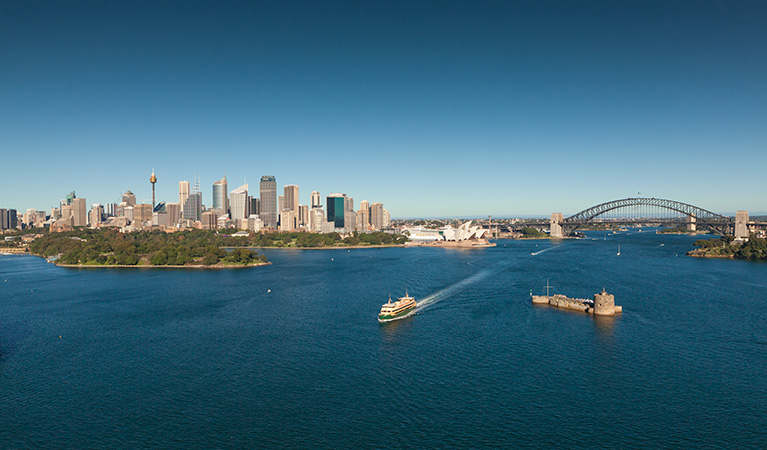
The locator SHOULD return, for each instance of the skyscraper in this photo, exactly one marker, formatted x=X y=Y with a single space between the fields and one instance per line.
x=255 y=205
x=174 y=213
x=316 y=200
x=291 y=197
x=239 y=205
x=220 y=200
x=377 y=215
x=183 y=192
x=128 y=197
x=193 y=207
x=336 y=204
x=79 y=212
x=268 y=190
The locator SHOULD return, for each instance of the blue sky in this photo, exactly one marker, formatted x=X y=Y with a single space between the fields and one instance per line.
x=433 y=108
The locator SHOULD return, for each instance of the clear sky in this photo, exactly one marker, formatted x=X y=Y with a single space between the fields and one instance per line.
x=433 y=108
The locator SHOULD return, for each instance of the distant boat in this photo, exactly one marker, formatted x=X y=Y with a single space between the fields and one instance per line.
x=619 y=249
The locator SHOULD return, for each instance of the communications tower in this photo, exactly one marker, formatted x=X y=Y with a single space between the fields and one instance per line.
x=153 y=180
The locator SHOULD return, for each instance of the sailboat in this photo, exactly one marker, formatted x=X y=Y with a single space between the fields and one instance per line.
x=619 y=250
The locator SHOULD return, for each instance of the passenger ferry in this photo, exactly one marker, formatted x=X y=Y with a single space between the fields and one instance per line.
x=403 y=307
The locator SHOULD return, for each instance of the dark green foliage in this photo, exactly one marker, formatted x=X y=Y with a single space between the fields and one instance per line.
x=530 y=232
x=755 y=248
x=110 y=247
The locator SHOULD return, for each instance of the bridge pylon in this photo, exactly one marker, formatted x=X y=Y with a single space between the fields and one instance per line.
x=555 y=225
x=691 y=226
x=741 y=224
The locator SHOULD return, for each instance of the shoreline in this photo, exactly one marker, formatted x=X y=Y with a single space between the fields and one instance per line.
x=149 y=266
x=353 y=247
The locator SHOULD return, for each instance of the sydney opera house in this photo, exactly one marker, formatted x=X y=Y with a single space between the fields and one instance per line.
x=465 y=232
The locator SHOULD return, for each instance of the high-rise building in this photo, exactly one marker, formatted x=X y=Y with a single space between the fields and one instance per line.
x=209 y=220
x=193 y=207
x=303 y=214
x=336 y=204
x=13 y=219
x=255 y=205
x=110 y=210
x=363 y=220
x=4 y=220
x=315 y=203
x=280 y=202
x=174 y=213
x=96 y=215
x=288 y=220
x=128 y=197
x=386 y=218
x=316 y=220
x=268 y=189
x=365 y=205
x=239 y=203
x=183 y=192
x=220 y=200
x=291 y=197
x=377 y=215
x=80 y=212
x=142 y=213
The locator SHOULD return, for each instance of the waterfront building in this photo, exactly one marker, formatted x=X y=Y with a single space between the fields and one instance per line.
x=183 y=192
x=315 y=203
x=128 y=197
x=268 y=191
x=4 y=219
x=336 y=204
x=209 y=220
x=377 y=215
x=79 y=212
x=363 y=220
x=350 y=220
x=174 y=213
x=316 y=219
x=220 y=200
x=287 y=220
x=239 y=203
x=291 y=197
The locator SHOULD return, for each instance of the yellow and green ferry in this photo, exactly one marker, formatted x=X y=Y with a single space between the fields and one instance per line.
x=403 y=307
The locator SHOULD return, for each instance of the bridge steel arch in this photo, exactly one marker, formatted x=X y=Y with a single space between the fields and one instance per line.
x=702 y=216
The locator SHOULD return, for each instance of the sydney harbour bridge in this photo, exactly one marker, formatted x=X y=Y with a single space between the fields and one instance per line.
x=649 y=212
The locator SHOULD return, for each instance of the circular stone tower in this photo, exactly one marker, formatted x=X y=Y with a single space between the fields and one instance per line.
x=604 y=304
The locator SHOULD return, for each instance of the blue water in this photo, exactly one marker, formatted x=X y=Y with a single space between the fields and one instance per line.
x=114 y=358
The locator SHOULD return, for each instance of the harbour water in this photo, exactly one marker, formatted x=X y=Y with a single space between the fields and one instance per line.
x=292 y=356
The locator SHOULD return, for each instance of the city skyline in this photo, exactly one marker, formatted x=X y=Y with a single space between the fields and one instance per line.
x=434 y=109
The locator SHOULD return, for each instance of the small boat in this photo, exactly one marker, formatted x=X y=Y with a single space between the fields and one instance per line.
x=619 y=249
x=403 y=307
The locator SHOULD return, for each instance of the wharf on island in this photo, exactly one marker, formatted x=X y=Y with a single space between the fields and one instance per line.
x=602 y=305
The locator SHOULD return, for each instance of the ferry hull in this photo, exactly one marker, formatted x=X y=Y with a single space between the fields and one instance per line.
x=383 y=318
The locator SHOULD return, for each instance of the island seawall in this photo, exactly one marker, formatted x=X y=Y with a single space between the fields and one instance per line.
x=602 y=305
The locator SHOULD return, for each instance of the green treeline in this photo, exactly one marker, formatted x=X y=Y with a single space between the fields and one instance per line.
x=755 y=248
x=304 y=240
x=530 y=232
x=110 y=247
x=189 y=247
